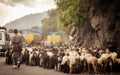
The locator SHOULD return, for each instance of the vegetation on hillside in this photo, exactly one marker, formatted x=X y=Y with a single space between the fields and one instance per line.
x=96 y=22
x=71 y=13
x=50 y=24
x=76 y=12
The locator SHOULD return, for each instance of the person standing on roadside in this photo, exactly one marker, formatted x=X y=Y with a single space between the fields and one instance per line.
x=16 y=44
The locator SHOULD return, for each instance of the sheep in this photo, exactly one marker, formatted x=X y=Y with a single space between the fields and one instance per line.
x=24 y=52
x=73 y=63
x=25 y=58
x=83 y=62
x=42 y=57
x=30 y=58
x=117 y=65
x=8 y=55
x=100 y=64
x=33 y=59
x=51 y=59
x=58 y=60
x=65 y=63
x=118 y=60
x=50 y=54
x=109 y=60
x=102 y=61
x=64 y=59
x=100 y=52
x=113 y=56
x=91 y=60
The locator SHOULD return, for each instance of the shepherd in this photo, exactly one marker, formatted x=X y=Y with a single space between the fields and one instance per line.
x=16 y=44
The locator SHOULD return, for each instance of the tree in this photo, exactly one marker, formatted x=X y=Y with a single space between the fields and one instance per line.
x=50 y=24
x=35 y=27
x=71 y=12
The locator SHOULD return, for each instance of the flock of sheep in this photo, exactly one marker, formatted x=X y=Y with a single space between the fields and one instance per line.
x=71 y=60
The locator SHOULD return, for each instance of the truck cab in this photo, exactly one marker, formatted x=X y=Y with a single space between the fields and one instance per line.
x=4 y=41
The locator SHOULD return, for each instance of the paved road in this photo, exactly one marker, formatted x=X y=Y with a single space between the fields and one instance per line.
x=32 y=70
x=25 y=70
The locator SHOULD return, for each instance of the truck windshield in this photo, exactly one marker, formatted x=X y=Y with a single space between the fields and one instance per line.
x=0 y=36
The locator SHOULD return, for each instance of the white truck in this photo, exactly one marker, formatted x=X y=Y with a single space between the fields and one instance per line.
x=4 y=41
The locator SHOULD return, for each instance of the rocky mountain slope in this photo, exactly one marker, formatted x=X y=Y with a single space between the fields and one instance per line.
x=103 y=29
x=27 y=21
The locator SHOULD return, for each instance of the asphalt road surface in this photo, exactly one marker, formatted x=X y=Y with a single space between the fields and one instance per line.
x=33 y=70
x=26 y=70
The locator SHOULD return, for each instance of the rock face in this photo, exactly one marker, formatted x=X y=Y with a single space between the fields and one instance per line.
x=103 y=28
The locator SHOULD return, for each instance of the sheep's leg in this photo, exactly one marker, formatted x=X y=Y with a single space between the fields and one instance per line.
x=58 y=67
x=110 y=63
x=40 y=63
x=104 y=68
x=101 y=67
x=88 y=68
x=70 y=69
x=29 y=61
x=84 y=66
x=55 y=67
x=94 y=67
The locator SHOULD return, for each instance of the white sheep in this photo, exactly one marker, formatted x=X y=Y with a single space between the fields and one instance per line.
x=103 y=59
x=113 y=55
x=91 y=60
x=65 y=59
x=118 y=60
x=50 y=54
x=112 y=61
x=72 y=58
x=32 y=58
x=73 y=61
x=40 y=56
